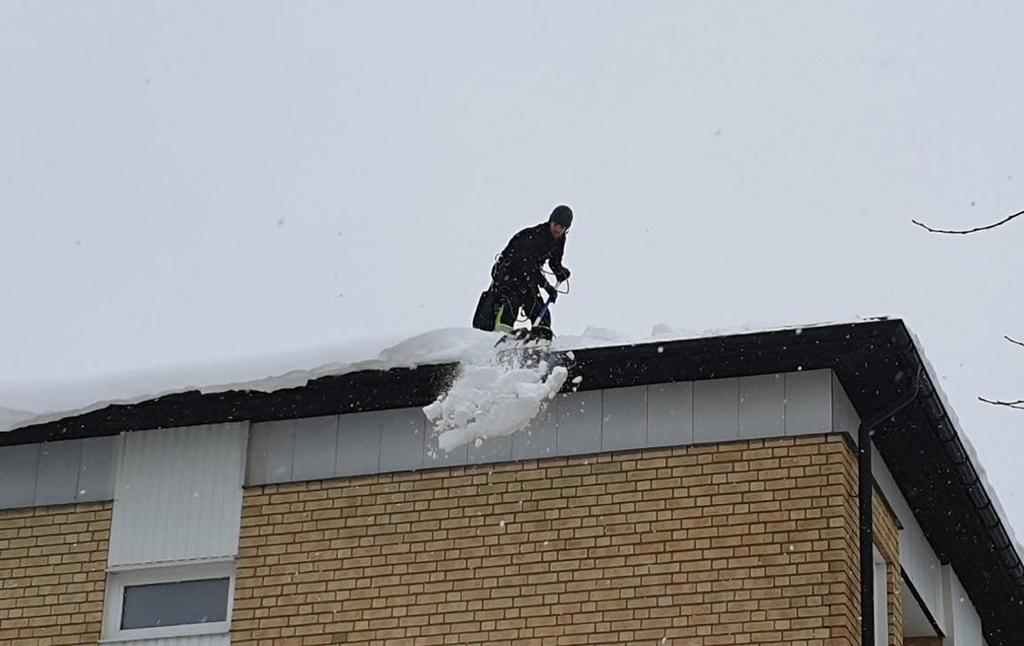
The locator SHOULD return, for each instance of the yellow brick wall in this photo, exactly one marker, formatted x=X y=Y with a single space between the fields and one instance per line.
x=738 y=543
x=887 y=540
x=53 y=574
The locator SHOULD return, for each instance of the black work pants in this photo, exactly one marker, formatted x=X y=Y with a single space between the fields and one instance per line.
x=513 y=297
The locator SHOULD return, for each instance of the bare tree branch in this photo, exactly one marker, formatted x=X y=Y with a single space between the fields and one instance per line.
x=1014 y=341
x=966 y=231
x=1018 y=405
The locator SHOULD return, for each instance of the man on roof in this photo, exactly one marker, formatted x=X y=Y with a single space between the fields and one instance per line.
x=518 y=276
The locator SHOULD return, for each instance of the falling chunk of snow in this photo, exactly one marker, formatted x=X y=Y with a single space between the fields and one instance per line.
x=493 y=397
x=799 y=331
x=502 y=523
x=81 y=492
x=664 y=640
x=660 y=349
x=578 y=379
x=571 y=355
x=792 y=548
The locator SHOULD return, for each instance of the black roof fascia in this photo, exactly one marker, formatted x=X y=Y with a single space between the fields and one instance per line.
x=874 y=361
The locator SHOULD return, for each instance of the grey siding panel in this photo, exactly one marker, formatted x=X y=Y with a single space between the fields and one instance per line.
x=716 y=410
x=579 y=423
x=762 y=406
x=57 y=476
x=433 y=456
x=402 y=441
x=98 y=469
x=844 y=415
x=624 y=421
x=540 y=439
x=316 y=445
x=808 y=402
x=179 y=495
x=670 y=414
x=18 y=466
x=667 y=414
x=493 y=449
x=271 y=449
x=359 y=443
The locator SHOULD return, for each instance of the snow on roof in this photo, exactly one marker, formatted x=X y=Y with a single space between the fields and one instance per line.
x=10 y=418
x=972 y=453
x=56 y=399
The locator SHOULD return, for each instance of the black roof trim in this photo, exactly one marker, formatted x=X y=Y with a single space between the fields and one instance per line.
x=872 y=360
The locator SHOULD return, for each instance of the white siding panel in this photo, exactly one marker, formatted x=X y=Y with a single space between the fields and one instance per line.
x=178 y=495
x=964 y=625
x=917 y=558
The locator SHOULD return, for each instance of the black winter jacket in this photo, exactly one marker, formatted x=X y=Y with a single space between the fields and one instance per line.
x=520 y=263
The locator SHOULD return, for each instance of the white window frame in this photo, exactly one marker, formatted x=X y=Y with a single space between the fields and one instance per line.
x=881 y=594
x=117 y=581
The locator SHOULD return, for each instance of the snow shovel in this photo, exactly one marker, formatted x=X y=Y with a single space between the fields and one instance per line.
x=534 y=333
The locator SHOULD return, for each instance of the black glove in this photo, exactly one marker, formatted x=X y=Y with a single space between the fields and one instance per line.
x=562 y=274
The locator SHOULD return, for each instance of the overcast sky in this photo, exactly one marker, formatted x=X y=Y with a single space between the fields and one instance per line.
x=198 y=181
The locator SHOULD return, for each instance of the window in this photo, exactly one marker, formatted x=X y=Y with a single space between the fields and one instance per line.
x=169 y=601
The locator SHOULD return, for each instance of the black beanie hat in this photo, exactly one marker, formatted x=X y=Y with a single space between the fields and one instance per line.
x=562 y=215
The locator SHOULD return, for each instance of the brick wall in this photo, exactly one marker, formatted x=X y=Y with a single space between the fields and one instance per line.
x=53 y=574
x=738 y=543
x=887 y=540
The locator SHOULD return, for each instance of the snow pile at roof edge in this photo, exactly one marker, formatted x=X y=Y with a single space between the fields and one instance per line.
x=972 y=453
x=444 y=345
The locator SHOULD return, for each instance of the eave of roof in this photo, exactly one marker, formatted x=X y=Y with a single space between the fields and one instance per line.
x=872 y=360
